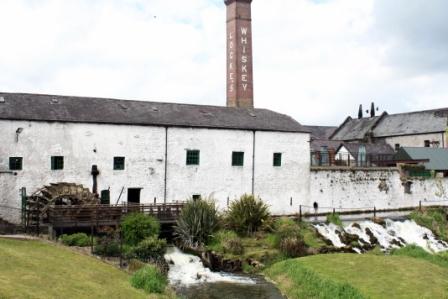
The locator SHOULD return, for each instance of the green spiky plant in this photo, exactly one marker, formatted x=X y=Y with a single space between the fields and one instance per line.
x=197 y=222
x=247 y=214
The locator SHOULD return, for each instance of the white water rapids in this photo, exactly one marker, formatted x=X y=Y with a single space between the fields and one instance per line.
x=393 y=235
x=187 y=269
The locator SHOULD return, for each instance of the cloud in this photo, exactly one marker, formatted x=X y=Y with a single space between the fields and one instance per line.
x=314 y=60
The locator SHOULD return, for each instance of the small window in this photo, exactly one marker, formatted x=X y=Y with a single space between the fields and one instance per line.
x=193 y=157
x=119 y=163
x=277 y=159
x=15 y=163
x=238 y=159
x=397 y=146
x=57 y=162
x=427 y=143
x=196 y=197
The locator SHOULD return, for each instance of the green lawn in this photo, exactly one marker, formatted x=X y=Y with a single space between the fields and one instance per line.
x=360 y=276
x=35 y=269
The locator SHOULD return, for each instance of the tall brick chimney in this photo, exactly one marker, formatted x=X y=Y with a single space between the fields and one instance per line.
x=240 y=88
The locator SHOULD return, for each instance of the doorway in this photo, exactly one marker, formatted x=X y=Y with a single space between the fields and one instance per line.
x=134 y=195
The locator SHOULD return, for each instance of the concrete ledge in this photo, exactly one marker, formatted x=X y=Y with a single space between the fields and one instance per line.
x=344 y=168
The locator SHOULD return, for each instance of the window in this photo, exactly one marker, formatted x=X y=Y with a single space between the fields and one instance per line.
x=397 y=146
x=193 y=157
x=277 y=159
x=15 y=163
x=119 y=163
x=237 y=158
x=196 y=197
x=57 y=162
x=427 y=143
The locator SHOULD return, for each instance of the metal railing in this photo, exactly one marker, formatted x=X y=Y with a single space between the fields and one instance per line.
x=325 y=158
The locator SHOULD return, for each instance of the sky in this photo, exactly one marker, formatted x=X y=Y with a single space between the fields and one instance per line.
x=315 y=60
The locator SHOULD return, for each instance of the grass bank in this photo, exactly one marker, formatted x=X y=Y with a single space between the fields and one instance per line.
x=434 y=219
x=35 y=269
x=360 y=276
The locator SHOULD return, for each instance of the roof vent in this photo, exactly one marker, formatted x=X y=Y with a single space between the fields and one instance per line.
x=252 y=114
x=122 y=106
x=155 y=109
x=2 y=99
x=54 y=101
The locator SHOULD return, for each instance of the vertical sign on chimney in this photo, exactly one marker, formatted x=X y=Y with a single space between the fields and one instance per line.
x=240 y=90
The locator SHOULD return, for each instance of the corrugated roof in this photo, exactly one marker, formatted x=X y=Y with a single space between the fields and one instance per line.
x=355 y=129
x=419 y=122
x=438 y=157
x=38 y=107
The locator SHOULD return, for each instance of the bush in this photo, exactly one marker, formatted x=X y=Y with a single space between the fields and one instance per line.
x=196 y=223
x=247 y=215
x=107 y=246
x=149 y=279
x=149 y=249
x=78 y=239
x=285 y=228
x=137 y=227
x=227 y=241
x=292 y=247
x=334 y=218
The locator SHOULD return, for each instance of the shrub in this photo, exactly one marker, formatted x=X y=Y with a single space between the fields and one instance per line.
x=137 y=227
x=196 y=223
x=247 y=215
x=292 y=247
x=285 y=228
x=149 y=279
x=107 y=246
x=149 y=249
x=227 y=241
x=334 y=218
x=78 y=239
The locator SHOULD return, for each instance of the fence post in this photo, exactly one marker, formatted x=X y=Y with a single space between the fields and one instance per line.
x=420 y=205
x=334 y=211
x=155 y=200
x=300 y=212
x=374 y=212
x=290 y=202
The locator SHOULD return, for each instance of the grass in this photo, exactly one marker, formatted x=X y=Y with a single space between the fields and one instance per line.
x=434 y=219
x=360 y=276
x=36 y=269
x=440 y=259
x=149 y=279
x=334 y=218
x=310 y=236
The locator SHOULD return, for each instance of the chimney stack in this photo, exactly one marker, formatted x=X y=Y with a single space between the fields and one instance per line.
x=240 y=90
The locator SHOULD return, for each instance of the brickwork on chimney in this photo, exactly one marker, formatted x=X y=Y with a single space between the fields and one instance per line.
x=240 y=90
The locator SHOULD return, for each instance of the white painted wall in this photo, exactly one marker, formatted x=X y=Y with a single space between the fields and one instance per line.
x=144 y=149
x=416 y=140
x=360 y=189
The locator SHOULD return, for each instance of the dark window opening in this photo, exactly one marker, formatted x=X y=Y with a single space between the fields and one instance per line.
x=277 y=159
x=238 y=159
x=15 y=163
x=427 y=143
x=134 y=195
x=119 y=163
x=57 y=162
x=397 y=146
x=193 y=157
x=196 y=197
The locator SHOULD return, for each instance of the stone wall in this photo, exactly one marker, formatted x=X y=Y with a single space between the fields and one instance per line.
x=372 y=187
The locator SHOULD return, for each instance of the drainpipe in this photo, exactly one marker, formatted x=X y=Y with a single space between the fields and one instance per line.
x=166 y=165
x=253 y=163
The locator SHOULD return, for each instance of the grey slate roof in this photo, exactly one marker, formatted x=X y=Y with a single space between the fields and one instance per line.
x=438 y=157
x=355 y=129
x=37 y=107
x=320 y=132
x=420 y=122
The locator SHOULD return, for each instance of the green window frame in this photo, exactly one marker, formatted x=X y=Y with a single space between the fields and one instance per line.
x=193 y=157
x=119 y=163
x=15 y=163
x=277 y=159
x=237 y=158
x=57 y=162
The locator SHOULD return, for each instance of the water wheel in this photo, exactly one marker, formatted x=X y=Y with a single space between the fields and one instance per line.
x=57 y=194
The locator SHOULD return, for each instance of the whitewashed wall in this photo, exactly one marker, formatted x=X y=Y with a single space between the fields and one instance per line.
x=416 y=140
x=368 y=188
x=84 y=145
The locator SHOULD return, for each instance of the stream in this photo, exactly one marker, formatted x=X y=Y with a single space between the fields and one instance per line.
x=190 y=279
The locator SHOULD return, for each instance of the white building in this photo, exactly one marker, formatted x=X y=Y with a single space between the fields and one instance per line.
x=149 y=151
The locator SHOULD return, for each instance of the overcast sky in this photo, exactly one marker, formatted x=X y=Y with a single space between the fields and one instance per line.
x=314 y=60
